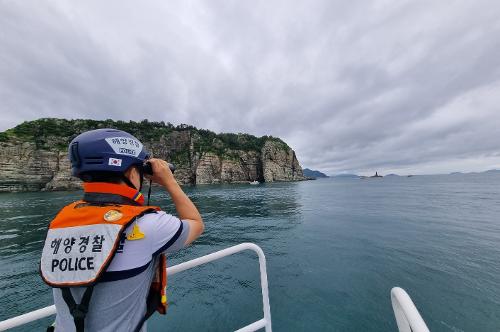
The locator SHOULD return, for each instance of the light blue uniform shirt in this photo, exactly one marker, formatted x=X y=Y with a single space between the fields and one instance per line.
x=120 y=304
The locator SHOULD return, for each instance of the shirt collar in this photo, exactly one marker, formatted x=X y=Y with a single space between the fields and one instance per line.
x=114 y=189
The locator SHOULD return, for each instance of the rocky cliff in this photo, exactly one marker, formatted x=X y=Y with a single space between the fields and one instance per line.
x=33 y=155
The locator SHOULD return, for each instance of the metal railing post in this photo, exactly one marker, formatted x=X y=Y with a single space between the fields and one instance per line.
x=407 y=316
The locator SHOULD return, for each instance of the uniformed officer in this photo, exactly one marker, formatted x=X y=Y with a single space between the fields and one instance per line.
x=104 y=255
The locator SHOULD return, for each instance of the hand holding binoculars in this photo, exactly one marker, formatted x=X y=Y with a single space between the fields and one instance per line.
x=148 y=169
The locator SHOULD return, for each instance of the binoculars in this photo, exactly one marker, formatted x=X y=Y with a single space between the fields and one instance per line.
x=148 y=169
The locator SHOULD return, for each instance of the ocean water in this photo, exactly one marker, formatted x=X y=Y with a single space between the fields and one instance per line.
x=334 y=248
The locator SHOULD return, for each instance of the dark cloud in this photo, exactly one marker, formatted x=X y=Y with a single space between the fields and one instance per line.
x=411 y=86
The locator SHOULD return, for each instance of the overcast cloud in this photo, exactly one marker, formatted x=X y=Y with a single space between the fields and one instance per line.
x=352 y=86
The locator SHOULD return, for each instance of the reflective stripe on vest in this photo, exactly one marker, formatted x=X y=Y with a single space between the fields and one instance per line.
x=82 y=240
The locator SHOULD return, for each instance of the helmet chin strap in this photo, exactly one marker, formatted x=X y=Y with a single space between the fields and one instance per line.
x=131 y=185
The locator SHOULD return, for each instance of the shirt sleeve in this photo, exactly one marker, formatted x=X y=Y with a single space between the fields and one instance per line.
x=170 y=233
x=181 y=241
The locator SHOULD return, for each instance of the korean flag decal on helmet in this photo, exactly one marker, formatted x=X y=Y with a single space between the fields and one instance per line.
x=125 y=146
x=115 y=162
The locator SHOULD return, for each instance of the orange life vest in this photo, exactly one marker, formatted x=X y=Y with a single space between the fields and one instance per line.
x=82 y=240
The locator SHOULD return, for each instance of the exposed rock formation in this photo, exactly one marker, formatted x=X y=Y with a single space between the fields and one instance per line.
x=245 y=167
x=25 y=166
x=62 y=179
x=280 y=163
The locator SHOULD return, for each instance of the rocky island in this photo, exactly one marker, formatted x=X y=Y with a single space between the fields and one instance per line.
x=33 y=155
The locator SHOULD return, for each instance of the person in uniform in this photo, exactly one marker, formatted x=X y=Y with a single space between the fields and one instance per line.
x=104 y=255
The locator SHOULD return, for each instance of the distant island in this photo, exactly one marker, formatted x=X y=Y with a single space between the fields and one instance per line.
x=313 y=173
x=394 y=175
x=490 y=171
x=376 y=176
x=33 y=155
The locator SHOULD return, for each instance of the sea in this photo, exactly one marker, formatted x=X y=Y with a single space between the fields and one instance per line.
x=335 y=247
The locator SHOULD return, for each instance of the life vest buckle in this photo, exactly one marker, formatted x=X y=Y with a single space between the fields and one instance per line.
x=79 y=312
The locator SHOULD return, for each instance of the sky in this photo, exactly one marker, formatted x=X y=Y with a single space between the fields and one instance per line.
x=408 y=87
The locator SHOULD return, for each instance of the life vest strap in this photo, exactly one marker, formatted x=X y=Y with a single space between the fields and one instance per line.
x=156 y=292
x=78 y=311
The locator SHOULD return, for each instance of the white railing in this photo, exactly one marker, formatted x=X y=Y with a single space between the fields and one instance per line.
x=262 y=323
x=407 y=316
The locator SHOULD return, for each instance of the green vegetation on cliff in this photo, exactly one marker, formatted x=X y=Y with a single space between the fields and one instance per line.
x=50 y=133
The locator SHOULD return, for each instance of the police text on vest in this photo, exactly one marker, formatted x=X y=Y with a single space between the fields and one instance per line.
x=73 y=264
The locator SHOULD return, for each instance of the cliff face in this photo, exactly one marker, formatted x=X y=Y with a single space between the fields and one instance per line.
x=280 y=163
x=24 y=166
x=211 y=168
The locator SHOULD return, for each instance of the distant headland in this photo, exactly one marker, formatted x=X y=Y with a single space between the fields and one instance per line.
x=33 y=155
x=310 y=173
